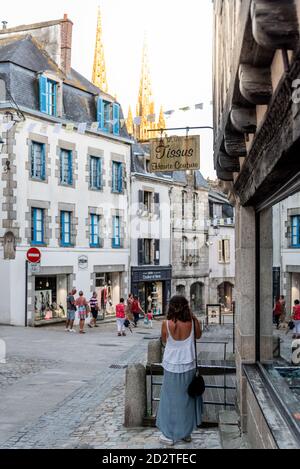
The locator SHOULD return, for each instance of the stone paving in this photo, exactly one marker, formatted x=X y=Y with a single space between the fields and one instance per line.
x=88 y=409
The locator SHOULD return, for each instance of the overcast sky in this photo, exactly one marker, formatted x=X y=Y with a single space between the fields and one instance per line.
x=180 y=51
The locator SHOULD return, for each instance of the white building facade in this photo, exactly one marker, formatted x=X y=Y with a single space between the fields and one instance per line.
x=221 y=241
x=151 y=270
x=65 y=183
x=286 y=250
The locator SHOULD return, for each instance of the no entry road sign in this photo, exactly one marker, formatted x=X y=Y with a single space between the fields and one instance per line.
x=34 y=255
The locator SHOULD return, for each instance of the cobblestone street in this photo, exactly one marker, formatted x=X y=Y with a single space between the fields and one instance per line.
x=73 y=398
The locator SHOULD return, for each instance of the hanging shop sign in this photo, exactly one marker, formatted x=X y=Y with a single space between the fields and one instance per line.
x=175 y=154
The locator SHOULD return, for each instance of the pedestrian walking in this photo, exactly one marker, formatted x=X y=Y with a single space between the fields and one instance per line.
x=129 y=313
x=296 y=319
x=121 y=316
x=178 y=413
x=83 y=311
x=71 y=310
x=94 y=307
x=283 y=309
x=150 y=318
x=277 y=312
x=136 y=310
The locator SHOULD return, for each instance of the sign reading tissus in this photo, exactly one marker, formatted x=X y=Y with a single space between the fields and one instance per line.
x=175 y=154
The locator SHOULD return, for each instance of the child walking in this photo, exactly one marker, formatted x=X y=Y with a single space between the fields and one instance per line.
x=121 y=316
x=150 y=318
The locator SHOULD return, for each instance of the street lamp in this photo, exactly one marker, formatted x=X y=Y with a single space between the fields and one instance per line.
x=1 y=143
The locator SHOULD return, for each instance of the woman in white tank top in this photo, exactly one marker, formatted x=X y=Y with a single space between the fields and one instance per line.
x=179 y=414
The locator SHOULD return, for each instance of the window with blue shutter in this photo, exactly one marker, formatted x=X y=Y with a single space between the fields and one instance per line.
x=100 y=113
x=296 y=232
x=66 y=167
x=65 y=228
x=48 y=96
x=94 y=231
x=38 y=161
x=95 y=173
x=117 y=177
x=116 y=119
x=116 y=242
x=37 y=226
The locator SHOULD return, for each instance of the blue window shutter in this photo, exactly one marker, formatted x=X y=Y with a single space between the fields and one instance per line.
x=32 y=160
x=100 y=112
x=55 y=99
x=120 y=177
x=43 y=175
x=99 y=173
x=70 y=168
x=43 y=94
x=116 y=117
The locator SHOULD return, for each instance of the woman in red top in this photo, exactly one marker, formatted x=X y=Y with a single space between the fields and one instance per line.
x=136 y=309
x=277 y=312
x=121 y=316
x=296 y=319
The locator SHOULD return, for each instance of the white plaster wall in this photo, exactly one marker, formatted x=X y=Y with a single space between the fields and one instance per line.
x=219 y=270
x=154 y=228
x=12 y=288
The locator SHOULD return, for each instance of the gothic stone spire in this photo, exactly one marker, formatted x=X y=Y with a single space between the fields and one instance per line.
x=99 y=69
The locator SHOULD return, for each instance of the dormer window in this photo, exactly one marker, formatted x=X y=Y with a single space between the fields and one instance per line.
x=48 y=96
x=108 y=116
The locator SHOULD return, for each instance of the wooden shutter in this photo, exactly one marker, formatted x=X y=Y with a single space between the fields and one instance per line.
x=140 y=251
x=116 y=118
x=43 y=175
x=141 y=200
x=43 y=94
x=227 y=250
x=100 y=113
x=70 y=168
x=120 y=177
x=157 y=203
x=221 y=260
x=156 y=251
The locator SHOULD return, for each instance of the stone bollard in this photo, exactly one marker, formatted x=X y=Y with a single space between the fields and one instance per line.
x=276 y=347
x=135 y=396
x=154 y=351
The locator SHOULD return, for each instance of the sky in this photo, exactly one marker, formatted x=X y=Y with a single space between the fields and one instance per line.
x=179 y=34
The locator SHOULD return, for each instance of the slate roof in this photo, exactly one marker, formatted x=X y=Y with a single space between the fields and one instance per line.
x=22 y=57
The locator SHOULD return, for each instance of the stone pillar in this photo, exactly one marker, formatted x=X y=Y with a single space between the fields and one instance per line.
x=154 y=351
x=266 y=285
x=135 y=396
x=245 y=300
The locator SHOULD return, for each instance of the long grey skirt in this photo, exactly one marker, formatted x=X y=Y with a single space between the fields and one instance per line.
x=178 y=413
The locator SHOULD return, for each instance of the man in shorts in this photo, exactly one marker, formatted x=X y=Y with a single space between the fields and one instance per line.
x=71 y=309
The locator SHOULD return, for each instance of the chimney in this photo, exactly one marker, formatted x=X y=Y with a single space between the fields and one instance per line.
x=66 y=44
x=4 y=24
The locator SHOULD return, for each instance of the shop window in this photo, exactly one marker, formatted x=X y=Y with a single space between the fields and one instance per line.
x=94 y=231
x=66 y=167
x=65 y=228
x=224 y=251
x=296 y=232
x=108 y=116
x=117 y=177
x=48 y=96
x=116 y=241
x=38 y=161
x=95 y=173
x=37 y=226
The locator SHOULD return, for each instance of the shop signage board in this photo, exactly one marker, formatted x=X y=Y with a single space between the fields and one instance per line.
x=34 y=269
x=175 y=154
x=33 y=256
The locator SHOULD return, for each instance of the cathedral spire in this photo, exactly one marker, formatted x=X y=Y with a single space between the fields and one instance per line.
x=129 y=122
x=145 y=106
x=99 y=69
